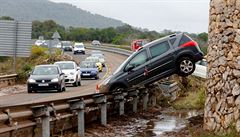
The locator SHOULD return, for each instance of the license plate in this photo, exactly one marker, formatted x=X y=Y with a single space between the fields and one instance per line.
x=42 y=85
x=86 y=74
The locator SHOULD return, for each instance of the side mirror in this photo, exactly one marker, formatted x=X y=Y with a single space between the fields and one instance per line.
x=61 y=74
x=78 y=68
x=29 y=73
x=130 y=68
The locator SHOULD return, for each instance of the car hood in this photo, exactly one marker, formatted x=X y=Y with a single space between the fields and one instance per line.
x=79 y=48
x=68 y=71
x=89 y=69
x=46 y=77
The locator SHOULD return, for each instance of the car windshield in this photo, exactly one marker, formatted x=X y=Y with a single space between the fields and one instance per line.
x=79 y=46
x=45 y=70
x=97 y=55
x=65 y=65
x=92 y=59
x=66 y=44
x=88 y=65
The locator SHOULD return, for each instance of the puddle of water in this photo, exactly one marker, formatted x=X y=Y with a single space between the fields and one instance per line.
x=167 y=122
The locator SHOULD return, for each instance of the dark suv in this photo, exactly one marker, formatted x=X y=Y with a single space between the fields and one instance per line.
x=156 y=60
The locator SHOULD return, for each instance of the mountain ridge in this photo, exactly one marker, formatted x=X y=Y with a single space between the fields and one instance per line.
x=64 y=14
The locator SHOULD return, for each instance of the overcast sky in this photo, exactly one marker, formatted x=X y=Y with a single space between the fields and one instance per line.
x=177 y=15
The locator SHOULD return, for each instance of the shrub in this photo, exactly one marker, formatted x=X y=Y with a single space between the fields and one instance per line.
x=23 y=73
x=38 y=51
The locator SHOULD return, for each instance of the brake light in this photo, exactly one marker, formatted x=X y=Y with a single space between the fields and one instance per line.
x=189 y=44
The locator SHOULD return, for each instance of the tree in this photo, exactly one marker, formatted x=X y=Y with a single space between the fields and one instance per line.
x=6 y=18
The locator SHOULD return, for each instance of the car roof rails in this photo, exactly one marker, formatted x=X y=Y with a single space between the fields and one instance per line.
x=173 y=35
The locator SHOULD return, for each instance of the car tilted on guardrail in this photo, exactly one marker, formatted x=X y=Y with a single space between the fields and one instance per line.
x=158 y=59
x=46 y=77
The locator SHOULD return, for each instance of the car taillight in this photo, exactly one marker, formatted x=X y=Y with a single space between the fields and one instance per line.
x=189 y=44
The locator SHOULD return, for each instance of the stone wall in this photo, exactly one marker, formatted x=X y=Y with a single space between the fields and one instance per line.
x=222 y=105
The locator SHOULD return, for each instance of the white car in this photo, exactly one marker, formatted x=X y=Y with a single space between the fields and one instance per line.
x=40 y=43
x=72 y=72
x=101 y=58
x=201 y=69
x=96 y=43
x=79 y=48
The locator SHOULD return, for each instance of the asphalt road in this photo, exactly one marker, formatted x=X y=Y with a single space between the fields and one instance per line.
x=88 y=85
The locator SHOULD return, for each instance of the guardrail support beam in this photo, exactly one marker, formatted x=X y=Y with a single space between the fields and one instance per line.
x=43 y=112
x=119 y=98
x=102 y=100
x=79 y=106
x=153 y=95
x=145 y=96
x=134 y=95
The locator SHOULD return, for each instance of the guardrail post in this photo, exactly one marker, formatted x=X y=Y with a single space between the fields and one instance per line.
x=134 y=95
x=145 y=99
x=102 y=100
x=43 y=112
x=153 y=95
x=79 y=106
x=119 y=98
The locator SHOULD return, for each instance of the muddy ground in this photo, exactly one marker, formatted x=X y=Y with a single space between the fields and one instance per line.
x=139 y=125
x=8 y=90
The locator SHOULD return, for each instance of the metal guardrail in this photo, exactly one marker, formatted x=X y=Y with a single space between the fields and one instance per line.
x=8 y=78
x=111 y=49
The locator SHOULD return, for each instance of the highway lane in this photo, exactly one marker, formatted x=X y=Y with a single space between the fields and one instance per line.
x=88 y=86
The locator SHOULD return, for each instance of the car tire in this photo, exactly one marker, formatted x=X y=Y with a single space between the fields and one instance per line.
x=79 y=83
x=186 y=66
x=117 y=89
x=64 y=88
x=75 y=84
x=60 y=89
x=97 y=77
x=30 y=91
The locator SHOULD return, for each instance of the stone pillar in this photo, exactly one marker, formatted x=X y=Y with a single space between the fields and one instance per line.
x=223 y=96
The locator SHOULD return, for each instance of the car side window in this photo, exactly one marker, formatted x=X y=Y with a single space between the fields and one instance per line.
x=172 y=41
x=138 y=60
x=159 y=49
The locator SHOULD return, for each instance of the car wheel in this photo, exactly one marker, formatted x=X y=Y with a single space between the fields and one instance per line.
x=186 y=66
x=97 y=77
x=30 y=91
x=64 y=88
x=117 y=89
x=79 y=83
x=60 y=89
x=75 y=84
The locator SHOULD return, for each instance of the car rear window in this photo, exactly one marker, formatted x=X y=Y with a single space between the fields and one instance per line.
x=184 y=40
x=159 y=49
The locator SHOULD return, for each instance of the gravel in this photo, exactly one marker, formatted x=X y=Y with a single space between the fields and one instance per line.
x=13 y=90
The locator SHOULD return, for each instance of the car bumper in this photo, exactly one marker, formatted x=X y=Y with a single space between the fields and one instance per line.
x=70 y=79
x=43 y=86
x=79 y=51
x=198 y=56
x=88 y=75
x=67 y=49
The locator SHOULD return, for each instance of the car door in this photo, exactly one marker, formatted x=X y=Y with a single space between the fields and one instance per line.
x=135 y=68
x=162 y=61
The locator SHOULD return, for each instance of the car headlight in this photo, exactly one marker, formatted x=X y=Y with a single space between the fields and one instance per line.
x=54 y=80
x=71 y=73
x=31 y=80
